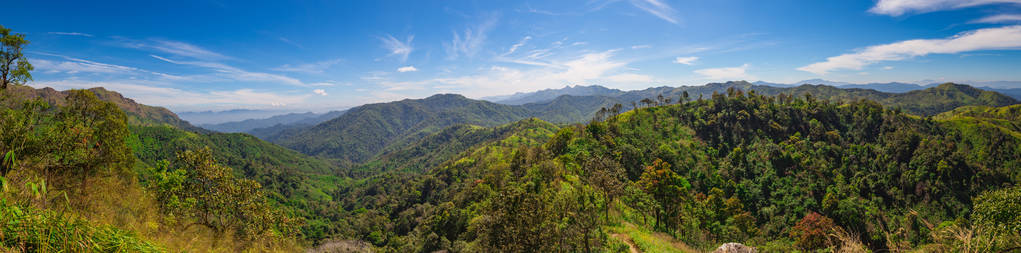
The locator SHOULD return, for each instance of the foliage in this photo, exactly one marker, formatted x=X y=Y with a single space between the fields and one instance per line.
x=735 y=167
x=89 y=138
x=999 y=210
x=196 y=189
x=28 y=229
x=813 y=231
x=14 y=67
x=668 y=188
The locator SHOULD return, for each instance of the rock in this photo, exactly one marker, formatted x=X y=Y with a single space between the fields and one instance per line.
x=733 y=247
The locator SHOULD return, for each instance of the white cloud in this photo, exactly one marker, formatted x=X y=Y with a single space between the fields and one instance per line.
x=1000 y=38
x=515 y=47
x=724 y=73
x=888 y=68
x=288 y=41
x=163 y=96
x=176 y=48
x=319 y=91
x=397 y=47
x=407 y=69
x=469 y=43
x=310 y=68
x=73 y=65
x=598 y=67
x=630 y=78
x=71 y=34
x=686 y=60
x=1002 y=18
x=658 y=8
x=640 y=46
x=237 y=74
x=900 y=7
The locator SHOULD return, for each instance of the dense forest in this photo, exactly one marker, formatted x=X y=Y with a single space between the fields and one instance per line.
x=781 y=173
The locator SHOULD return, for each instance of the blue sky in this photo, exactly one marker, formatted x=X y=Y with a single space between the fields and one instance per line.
x=320 y=55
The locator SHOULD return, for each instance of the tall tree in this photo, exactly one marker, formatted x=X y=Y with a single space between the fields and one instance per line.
x=14 y=68
x=666 y=187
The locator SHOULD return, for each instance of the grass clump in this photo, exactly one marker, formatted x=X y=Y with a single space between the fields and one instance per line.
x=28 y=229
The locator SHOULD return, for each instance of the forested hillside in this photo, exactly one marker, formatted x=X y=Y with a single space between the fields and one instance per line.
x=364 y=132
x=138 y=114
x=780 y=173
x=72 y=182
x=926 y=102
x=367 y=131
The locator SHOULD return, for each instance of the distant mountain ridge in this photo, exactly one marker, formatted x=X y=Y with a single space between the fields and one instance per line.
x=296 y=119
x=364 y=132
x=218 y=117
x=546 y=95
x=1009 y=88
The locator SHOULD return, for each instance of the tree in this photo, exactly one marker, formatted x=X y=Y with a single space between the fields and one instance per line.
x=89 y=138
x=666 y=187
x=606 y=175
x=813 y=231
x=197 y=189
x=14 y=68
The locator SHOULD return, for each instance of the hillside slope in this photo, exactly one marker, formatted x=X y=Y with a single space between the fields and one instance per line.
x=363 y=132
x=138 y=114
x=779 y=173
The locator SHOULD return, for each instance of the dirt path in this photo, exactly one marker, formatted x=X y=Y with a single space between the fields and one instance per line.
x=630 y=243
x=660 y=236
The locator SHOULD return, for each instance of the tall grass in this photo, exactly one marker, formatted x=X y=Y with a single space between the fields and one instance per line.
x=29 y=229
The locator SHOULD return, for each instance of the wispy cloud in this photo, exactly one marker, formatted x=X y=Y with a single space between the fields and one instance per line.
x=80 y=66
x=1002 y=18
x=288 y=41
x=514 y=48
x=901 y=7
x=163 y=96
x=730 y=73
x=71 y=34
x=659 y=9
x=319 y=91
x=690 y=60
x=629 y=78
x=176 y=48
x=398 y=48
x=407 y=69
x=640 y=46
x=591 y=67
x=470 y=42
x=999 y=38
x=310 y=68
x=237 y=74
x=71 y=65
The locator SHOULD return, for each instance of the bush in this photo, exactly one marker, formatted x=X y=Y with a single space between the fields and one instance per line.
x=812 y=232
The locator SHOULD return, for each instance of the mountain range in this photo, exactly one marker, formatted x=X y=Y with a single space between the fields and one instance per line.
x=1009 y=88
x=366 y=132
x=278 y=121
